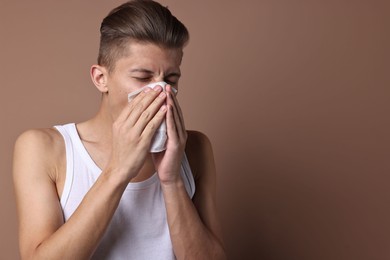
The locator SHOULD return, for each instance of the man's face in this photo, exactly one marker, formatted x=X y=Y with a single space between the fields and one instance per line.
x=145 y=63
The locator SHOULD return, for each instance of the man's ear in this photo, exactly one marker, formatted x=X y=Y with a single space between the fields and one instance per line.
x=99 y=77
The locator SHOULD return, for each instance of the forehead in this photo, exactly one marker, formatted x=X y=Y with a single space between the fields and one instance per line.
x=150 y=55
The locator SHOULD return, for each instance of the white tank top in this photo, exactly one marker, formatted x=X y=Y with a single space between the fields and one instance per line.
x=139 y=228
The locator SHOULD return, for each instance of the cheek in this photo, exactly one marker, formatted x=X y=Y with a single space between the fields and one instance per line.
x=119 y=92
x=135 y=86
x=132 y=85
x=117 y=97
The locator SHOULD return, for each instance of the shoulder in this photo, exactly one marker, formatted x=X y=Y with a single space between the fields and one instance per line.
x=199 y=152
x=47 y=139
x=197 y=143
x=38 y=147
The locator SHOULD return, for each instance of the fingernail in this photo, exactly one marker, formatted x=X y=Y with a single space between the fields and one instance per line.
x=163 y=108
x=157 y=88
x=162 y=94
x=147 y=90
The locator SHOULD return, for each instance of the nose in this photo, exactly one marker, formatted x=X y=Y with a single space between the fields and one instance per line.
x=157 y=78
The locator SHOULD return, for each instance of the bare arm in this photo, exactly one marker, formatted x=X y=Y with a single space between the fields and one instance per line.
x=193 y=226
x=43 y=233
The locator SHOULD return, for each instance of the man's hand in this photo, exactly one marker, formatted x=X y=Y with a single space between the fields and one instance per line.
x=168 y=162
x=133 y=131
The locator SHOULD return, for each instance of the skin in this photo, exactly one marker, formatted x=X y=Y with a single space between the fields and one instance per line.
x=118 y=138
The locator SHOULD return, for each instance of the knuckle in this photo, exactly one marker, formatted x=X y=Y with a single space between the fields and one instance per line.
x=139 y=108
x=152 y=126
x=158 y=101
x=146 y=115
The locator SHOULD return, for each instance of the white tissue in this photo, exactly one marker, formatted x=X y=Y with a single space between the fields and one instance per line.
x=159 y=139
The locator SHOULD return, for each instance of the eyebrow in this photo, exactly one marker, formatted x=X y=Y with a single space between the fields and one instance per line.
x=173 y=74
x=142 y=70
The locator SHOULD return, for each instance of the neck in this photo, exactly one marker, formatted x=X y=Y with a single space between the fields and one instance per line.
x=98 y=129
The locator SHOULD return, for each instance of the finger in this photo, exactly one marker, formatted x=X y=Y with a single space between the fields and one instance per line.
x=176 y=114
x=148 y=114
x=127 y=109
x=172 y=90
x=177 y=106
x=141 y=102
x=152 y=125
x=176 y=131
x=172 y=131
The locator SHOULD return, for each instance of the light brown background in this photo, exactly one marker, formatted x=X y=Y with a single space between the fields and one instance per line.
x=293 y=94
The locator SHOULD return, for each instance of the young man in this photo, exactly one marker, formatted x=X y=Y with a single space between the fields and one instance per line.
x=93 y=189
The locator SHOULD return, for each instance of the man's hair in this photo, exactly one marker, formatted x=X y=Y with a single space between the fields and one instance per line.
x=140 y=21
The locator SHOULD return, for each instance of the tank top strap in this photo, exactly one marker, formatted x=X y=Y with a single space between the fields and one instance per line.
x=187 y=176
x=63 y=130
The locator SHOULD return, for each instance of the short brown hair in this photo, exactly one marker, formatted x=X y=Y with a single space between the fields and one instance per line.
x=142 y=21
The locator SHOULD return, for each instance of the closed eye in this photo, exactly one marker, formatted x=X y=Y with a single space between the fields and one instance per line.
x=142 y=79
x=172 y=79
x=172 y=83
